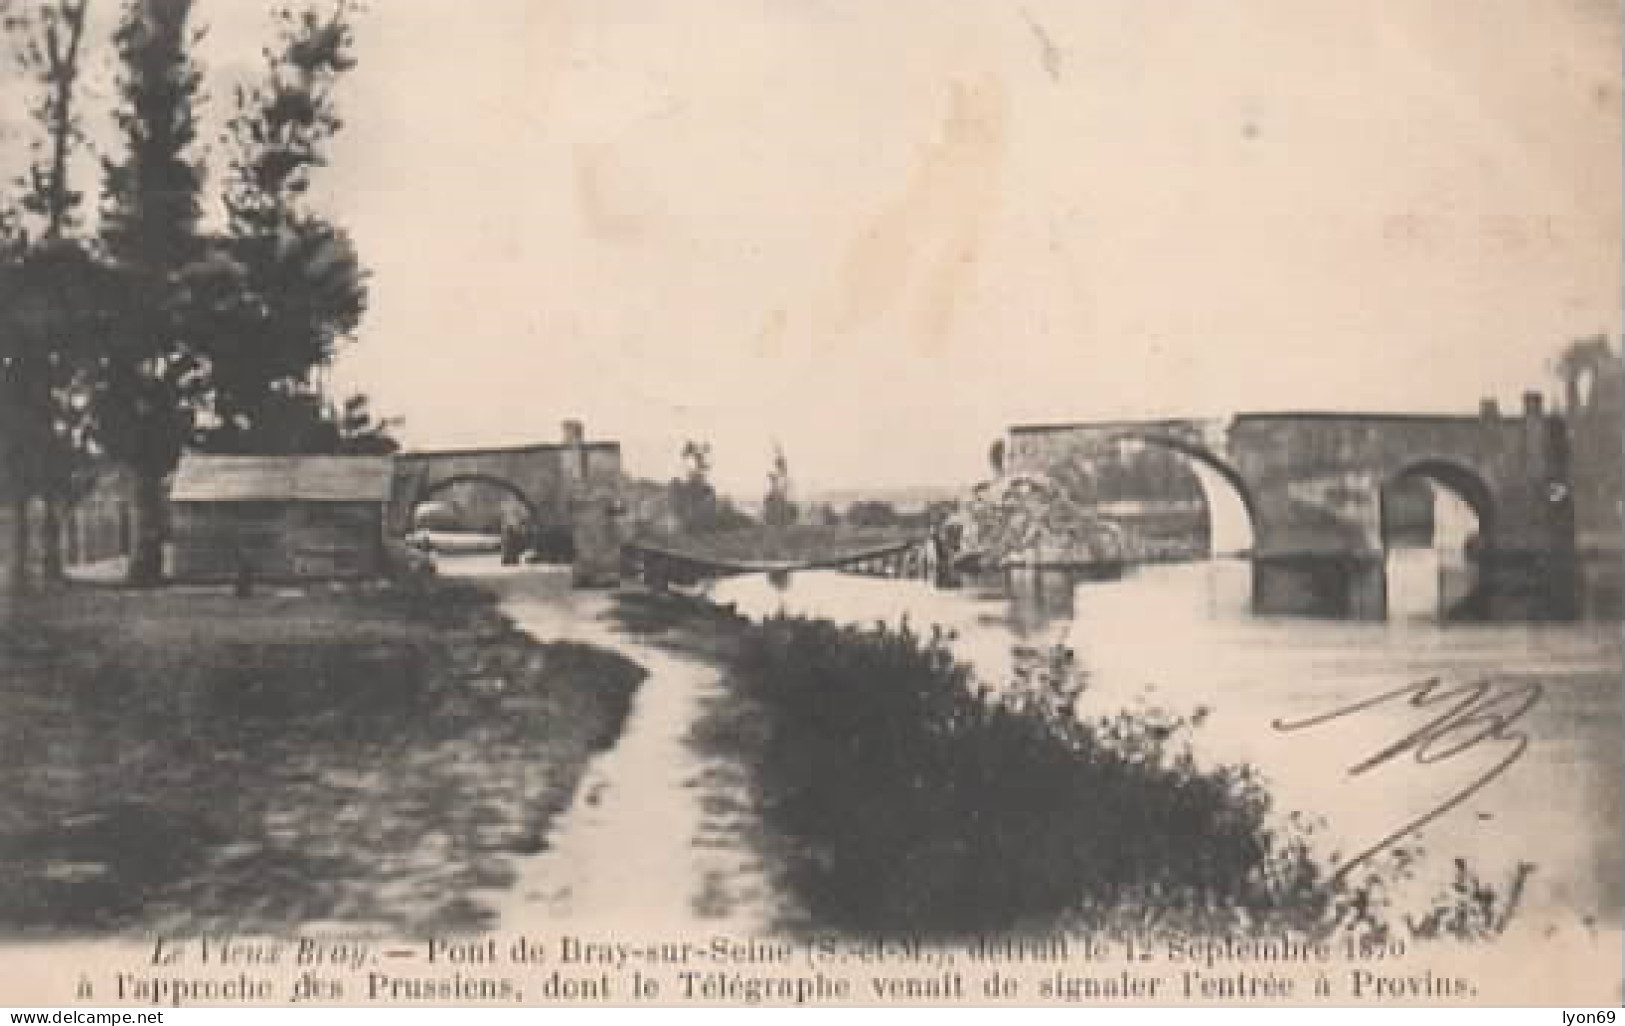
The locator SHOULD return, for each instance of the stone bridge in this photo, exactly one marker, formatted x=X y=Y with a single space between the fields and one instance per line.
x=1312 y=485
x=571 y=487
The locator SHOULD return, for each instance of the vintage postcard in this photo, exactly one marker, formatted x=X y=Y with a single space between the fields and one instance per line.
x=1066 y=503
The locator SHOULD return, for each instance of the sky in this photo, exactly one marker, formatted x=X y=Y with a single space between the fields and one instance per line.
x=878 y=234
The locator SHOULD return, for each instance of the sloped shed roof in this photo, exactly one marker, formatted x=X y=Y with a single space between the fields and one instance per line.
x=260 y=478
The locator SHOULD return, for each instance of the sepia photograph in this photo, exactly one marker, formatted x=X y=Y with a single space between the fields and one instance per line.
x=1043 y=503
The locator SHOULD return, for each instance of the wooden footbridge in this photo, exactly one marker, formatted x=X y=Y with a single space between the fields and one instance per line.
x=912 y=558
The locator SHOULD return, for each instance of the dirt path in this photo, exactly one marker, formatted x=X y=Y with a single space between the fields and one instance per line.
x=659 y=835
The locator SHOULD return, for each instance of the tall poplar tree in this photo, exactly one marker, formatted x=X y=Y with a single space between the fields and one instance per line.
x=150 y=227
x=306 y=281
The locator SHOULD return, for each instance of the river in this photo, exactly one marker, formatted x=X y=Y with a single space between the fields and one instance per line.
x=1181 y=637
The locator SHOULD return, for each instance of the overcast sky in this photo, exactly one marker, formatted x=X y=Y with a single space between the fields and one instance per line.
x=881 y=232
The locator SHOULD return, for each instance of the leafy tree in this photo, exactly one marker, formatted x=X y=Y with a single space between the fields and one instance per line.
x=730 y=517
x=51 y=332
x=777 y=508
x=300 y=287
x=155 y=373
x=872 y=513
x=359 y=432
x=42 y=351
x=940 y=511
x=169 y=336
x=309 y=423
x=697 y=460
x=825 y=514
x=693 y=499
x=1583 y=366
x=224 y=347
x=995 y=457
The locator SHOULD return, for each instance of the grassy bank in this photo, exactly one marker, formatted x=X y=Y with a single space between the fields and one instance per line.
x=188 y=760
x=907 y=800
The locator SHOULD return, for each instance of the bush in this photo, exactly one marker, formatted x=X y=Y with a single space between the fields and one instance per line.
x=916 y=802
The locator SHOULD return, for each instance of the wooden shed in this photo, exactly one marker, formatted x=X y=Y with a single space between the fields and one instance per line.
x=284 y=517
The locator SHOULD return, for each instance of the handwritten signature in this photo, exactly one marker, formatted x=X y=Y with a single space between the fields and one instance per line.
x=1473 y=714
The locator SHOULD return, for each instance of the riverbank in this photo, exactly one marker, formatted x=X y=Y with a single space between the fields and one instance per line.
x=900 y=802
x=903 y=798
x=373 y=758
x=661 y=839
x=725 y=736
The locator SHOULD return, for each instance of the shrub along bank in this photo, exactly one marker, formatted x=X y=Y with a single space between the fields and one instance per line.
x=919 y=803
x=910 y=800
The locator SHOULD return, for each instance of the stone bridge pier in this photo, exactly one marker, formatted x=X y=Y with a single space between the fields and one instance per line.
x=1313 y=484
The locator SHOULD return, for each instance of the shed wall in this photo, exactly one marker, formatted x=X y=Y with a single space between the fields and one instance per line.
x=279 y=540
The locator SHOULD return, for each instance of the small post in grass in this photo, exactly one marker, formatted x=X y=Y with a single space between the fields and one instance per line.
x=244 y=585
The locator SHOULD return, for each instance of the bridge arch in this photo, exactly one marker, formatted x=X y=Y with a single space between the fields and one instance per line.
x=427 y=490
x=1445 y=578
x=1460 y=479
x=1309 y=485
x=1204 y=458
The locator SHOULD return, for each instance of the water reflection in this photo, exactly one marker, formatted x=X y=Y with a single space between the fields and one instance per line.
x=1428 y=583
x=1183 y=636
x=1039 y=598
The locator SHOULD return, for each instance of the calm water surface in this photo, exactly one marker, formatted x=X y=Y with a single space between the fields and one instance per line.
x=1182 y=638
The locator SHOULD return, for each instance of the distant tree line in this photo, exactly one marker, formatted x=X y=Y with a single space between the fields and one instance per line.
x=880 y=513
x=690 y=503
x=152 y=328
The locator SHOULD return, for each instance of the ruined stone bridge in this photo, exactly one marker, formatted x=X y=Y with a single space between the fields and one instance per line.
x=571 y=486
x=1312 y=485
